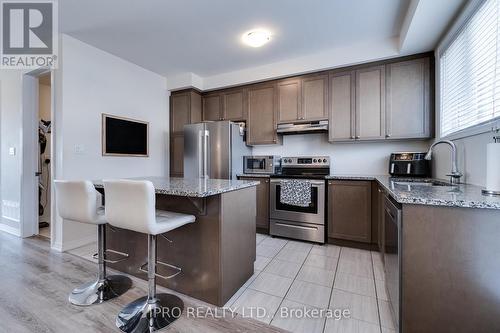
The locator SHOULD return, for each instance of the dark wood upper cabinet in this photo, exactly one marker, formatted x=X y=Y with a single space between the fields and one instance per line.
x=381 y=101
x=289 y=100
x=303 y=99
x=314 y=97
x=370 y=103
x=342 y=106
x=261 y=124
x=233 y=105
x=179 y=111
x=262 y=220
x=212 y=107
x=357 y=104
x=349 y=210
x=185 y=108
x=408 y=99
x=196 y=108
x=391 y=101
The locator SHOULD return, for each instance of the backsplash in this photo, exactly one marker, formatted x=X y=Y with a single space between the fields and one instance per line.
x=346 y=158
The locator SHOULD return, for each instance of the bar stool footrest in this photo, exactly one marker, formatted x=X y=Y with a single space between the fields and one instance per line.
x=178 y=270
x=121 y=256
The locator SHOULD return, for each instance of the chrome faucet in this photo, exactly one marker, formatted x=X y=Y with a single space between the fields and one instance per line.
x=455 y=174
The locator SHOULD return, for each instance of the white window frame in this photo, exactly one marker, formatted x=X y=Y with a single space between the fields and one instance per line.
x=468 y=11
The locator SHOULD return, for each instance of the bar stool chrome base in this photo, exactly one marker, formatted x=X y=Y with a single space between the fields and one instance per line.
x=141 y=316
x=100 y=291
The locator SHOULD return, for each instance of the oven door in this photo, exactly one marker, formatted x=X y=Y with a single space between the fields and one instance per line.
x=314 y=213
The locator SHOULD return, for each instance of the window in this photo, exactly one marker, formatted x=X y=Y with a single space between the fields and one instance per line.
x=470 y=72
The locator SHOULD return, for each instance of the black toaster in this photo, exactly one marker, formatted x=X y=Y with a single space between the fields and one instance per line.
x=409 y=165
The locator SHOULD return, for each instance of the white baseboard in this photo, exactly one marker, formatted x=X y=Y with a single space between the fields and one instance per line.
x=10 y=230
x=57 y=246
x=11 y=219
x=75 y=243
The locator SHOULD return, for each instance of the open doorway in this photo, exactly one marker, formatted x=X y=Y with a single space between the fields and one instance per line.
x=44 y=154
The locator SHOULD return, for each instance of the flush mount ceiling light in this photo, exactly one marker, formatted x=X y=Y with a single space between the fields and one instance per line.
x=257 y=37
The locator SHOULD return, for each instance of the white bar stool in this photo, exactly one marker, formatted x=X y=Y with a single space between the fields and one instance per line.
x=131 y=205
x=77 y=201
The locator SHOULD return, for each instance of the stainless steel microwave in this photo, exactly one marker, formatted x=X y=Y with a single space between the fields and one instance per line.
x=262 y=164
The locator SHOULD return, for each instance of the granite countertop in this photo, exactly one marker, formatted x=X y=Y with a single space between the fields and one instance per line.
x=401 y=189
x=192 y=187
x=254 y=175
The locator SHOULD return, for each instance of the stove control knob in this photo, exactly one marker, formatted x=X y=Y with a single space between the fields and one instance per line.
x=314 y=160
x=324 y=160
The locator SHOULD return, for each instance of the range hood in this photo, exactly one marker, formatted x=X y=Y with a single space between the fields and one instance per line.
x=309 y=127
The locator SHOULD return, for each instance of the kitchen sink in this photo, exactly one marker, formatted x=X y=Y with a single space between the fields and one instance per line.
x=422 y=183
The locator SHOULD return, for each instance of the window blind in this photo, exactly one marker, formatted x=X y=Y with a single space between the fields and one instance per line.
x=470 y=72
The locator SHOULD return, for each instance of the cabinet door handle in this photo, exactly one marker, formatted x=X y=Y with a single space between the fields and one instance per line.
x=387 y=135
x=357 y=136
x=353 y=137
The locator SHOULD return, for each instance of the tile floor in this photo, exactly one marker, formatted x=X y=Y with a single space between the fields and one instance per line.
x=298 y=275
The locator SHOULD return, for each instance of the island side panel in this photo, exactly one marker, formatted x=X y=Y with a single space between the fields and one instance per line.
x=195 y=248
x=451 y=269
x=238 y=244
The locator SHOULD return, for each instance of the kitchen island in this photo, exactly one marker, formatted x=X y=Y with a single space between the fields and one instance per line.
x=216 y=253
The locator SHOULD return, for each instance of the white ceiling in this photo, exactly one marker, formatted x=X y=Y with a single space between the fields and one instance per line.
x=171 y=37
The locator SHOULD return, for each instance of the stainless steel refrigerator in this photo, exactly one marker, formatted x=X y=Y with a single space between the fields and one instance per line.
x=214 y=150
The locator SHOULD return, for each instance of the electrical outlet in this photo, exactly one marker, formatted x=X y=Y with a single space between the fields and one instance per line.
x=79 y=149
x=12 y=151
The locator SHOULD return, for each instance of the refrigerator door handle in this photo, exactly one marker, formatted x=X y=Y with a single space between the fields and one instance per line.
x=201 y=154
x=206 y=155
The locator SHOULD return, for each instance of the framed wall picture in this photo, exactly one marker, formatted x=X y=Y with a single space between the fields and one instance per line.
x=124 y=136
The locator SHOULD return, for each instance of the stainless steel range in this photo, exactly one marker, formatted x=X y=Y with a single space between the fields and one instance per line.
x=299 y=222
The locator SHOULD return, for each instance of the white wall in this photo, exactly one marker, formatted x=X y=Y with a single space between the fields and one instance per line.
x=471 y=159
x=10 y=137
x=370 y=158
x=93 y=82
x=338 y=57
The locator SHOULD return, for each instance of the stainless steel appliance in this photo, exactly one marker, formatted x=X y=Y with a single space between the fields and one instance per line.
x=409 y=165
x=392 y=256
x=304 y=223
x=213 y=150
x=300 y=128
x=262 y=164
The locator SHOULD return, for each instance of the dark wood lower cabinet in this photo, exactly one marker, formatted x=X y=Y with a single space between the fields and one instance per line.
x=262 y=220
x=450 y=269
x=350 y=210
x=380 y=195
x=176 y=155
